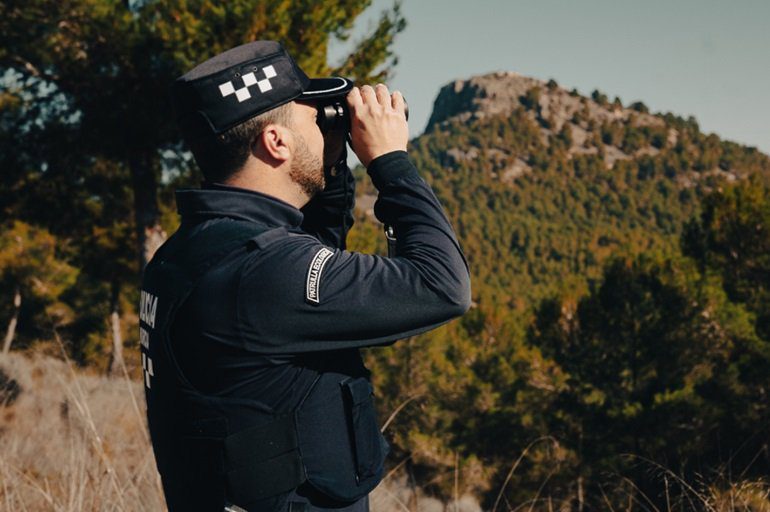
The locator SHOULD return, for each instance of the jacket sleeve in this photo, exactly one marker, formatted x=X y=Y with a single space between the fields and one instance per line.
x=299 y=295
x=328 y=216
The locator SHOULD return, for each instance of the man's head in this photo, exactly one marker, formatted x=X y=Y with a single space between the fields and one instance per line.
x=284 y=137
x=253 y=104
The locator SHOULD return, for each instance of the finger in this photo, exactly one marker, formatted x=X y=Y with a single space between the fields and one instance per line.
x=383 y=96
x=354 y=98
x=368 y=95
x=397 y=101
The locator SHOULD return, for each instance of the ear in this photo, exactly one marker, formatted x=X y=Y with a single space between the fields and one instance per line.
x=274 y=143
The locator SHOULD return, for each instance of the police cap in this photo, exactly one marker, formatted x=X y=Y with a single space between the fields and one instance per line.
x=244 y=82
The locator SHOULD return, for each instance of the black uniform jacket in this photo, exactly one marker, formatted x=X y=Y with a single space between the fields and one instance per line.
x=260 y=321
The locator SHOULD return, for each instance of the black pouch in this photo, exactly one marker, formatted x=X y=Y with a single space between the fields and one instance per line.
x=252 y=464
x=364 y=429
x=263 y=461
x=197 y=482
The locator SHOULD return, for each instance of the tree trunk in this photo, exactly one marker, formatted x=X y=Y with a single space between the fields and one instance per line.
x=116 y=358
x=580 y=482
x=149 y=234
x=456 y=507
x=414 y=502
x=11 y=332
x=580 y=496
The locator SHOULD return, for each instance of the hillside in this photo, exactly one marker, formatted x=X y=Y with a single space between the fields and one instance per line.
x=615 y=355
x=545 y=184
x=619 y=273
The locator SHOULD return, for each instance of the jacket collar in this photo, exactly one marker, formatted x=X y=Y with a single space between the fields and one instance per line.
x=215 y=200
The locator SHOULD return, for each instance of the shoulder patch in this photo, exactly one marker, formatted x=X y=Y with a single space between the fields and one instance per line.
x=313 y=281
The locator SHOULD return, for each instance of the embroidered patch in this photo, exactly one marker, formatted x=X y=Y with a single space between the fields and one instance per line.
x=313 y=280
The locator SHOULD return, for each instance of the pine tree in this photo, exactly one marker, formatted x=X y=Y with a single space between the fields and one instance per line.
x=110 y=63
x=31 y=267
x=87 y=130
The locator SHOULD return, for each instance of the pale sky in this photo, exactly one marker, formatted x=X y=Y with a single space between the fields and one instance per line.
x=703 y=58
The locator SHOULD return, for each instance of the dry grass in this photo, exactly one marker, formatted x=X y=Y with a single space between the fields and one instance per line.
x=395 y=494
x=73 y=442
x=743 y=496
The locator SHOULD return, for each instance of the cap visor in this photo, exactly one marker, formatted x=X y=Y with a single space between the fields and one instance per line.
x=326 y=88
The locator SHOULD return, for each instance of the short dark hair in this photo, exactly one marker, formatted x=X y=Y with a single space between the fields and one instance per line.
x=222 y=156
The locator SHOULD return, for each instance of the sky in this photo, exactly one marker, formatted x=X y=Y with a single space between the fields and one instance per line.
x=702 y=58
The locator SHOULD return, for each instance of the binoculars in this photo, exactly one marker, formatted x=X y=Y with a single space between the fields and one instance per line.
x=335 y=115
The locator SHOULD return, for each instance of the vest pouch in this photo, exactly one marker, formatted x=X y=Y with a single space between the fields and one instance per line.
x=198 y=466
x=339 y=438
x=362 y=420
x=262 y=461
x=252 y=453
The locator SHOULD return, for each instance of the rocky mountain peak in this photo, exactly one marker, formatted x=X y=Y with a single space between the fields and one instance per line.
x=479 y=96
x=503 y=92
x=554 y=109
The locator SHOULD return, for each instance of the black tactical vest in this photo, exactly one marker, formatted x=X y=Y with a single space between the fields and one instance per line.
x=213 y=451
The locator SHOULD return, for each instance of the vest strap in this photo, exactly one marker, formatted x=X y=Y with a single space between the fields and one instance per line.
x=264 y=479
x=263 y=460
x=264 y=441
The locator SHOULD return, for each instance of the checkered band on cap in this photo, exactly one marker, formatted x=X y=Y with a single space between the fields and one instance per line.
x=244 y=82
x=239 y=84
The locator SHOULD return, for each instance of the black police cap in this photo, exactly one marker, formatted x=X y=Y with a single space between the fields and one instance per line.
x=244 y=82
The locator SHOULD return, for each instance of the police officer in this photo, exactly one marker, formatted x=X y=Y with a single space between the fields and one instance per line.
x=253 y=312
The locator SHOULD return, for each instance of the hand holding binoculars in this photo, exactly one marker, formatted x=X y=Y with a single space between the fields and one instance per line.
x=334 y=115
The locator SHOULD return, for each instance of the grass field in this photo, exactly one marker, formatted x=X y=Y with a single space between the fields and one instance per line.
x=75 y=442
x=71 y=441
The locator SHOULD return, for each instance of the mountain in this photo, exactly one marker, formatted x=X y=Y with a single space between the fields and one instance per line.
x=619 y=268
x=544 y=184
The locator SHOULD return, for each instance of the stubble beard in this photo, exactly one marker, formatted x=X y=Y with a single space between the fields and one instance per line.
x=307 y=169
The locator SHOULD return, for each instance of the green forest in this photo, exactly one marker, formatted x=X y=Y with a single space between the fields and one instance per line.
x=616 y=352
x=618 y=336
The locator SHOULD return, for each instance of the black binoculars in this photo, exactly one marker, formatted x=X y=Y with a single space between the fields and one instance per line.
x=335 y=115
